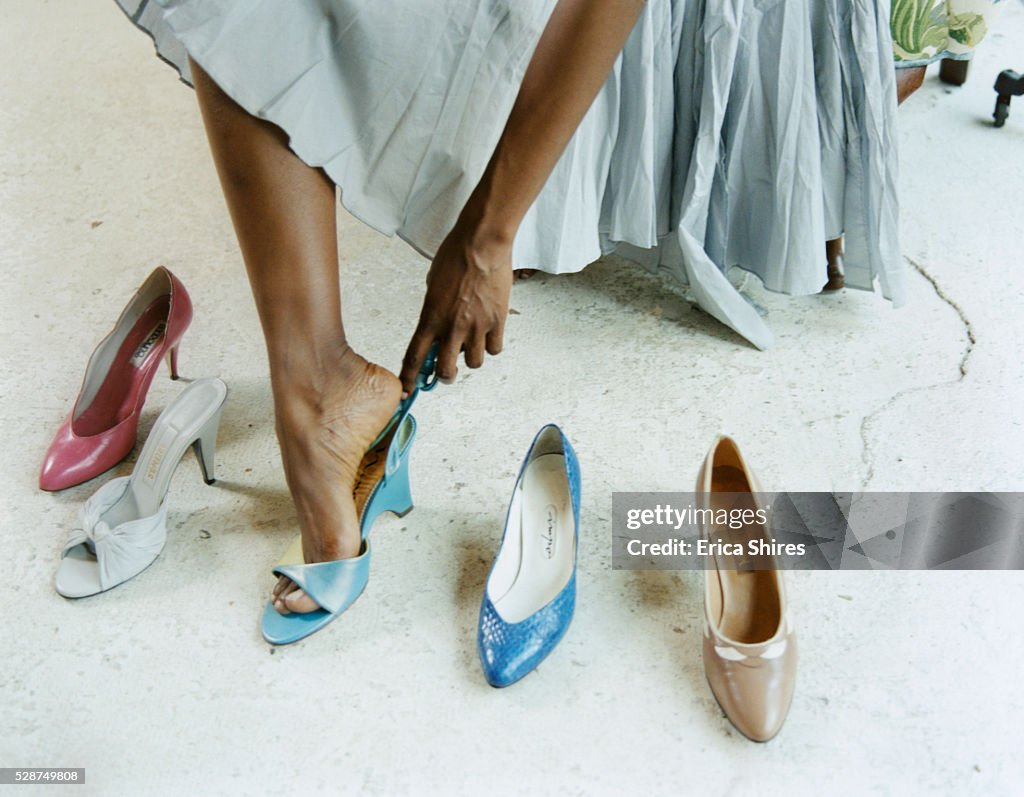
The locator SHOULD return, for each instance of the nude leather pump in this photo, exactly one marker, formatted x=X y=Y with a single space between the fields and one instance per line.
x=750 y=654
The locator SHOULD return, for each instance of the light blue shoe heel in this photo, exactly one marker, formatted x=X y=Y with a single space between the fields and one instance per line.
x=530 y=595
x=393 y=493
x=336 y=585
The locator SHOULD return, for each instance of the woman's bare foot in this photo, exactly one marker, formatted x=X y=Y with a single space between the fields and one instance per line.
x=523 y=274
x=324 y=426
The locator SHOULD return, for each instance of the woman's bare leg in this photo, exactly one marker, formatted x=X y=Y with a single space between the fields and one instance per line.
x=329 y=402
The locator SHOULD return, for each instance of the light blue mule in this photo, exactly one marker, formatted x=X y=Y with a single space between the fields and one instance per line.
x=336 y=585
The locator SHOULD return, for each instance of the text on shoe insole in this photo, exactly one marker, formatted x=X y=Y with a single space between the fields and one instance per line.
x=547 y=535
x=142 y=352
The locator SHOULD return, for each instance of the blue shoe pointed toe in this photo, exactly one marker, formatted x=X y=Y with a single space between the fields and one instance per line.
x=508 y=651
x=530 y=595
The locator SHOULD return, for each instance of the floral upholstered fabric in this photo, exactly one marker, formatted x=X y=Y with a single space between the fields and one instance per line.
x=927 y=30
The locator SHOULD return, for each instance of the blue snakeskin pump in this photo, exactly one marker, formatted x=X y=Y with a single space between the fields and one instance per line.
x=531 y=591
x=336 y=585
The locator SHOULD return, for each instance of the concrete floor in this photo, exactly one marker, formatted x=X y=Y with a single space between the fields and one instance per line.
x=164 y=685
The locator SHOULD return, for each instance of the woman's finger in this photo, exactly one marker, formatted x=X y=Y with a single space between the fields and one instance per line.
x=448 y=357
x=496 y=338
x=422 y=339
x=474 y=349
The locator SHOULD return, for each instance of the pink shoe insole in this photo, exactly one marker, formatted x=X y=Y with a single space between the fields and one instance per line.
x=129 y=374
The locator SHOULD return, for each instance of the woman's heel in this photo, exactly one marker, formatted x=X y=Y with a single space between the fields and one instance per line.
x=205 y=446
x=172 y=360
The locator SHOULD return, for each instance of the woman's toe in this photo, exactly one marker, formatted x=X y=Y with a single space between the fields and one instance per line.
x=277 y=600
x=282 y=589
x=299 y=602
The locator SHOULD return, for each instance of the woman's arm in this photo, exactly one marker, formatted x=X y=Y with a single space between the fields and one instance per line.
x=470 y=278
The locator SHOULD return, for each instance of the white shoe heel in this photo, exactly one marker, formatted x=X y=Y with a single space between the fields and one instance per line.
x=123 y=526
x=206 y=444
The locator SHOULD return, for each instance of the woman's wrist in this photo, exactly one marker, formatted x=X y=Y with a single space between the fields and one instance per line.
x=485 y=222
x=486 y=228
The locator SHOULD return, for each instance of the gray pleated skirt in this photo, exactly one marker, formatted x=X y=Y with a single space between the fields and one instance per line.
x=731 y=133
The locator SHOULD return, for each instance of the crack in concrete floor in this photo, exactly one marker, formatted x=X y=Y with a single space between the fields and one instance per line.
x=965 y=355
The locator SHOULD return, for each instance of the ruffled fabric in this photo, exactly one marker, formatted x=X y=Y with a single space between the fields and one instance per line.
x=738 y=133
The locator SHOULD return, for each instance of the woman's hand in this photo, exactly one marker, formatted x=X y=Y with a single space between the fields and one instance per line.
x=471 y=276
x=465 y=307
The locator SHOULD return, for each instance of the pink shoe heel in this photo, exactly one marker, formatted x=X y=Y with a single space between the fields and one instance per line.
x=172 y=361
x=101 y=429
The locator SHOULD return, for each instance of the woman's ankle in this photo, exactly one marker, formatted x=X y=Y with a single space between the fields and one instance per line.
x=305 y=376
x=343 y=387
